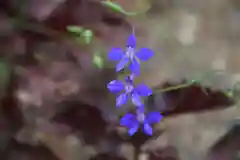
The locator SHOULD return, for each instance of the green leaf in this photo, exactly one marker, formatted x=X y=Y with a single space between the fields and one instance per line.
x=98 y=61
x=114 y=6
x=88 y=36
x=75 y=29
x=117 y=8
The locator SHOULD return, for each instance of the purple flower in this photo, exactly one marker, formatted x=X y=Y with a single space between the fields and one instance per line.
x=130 y=56
x=132 y=121
x=130 y=91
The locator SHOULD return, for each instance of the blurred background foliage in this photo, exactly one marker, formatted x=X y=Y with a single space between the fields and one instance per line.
x=54 y=104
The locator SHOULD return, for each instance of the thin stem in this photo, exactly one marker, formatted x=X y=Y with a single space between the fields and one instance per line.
x=172 y=88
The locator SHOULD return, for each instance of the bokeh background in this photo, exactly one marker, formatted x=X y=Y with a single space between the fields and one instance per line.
x=54 y=104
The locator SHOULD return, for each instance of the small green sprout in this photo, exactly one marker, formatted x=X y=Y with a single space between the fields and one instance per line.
x=88 y=36
x=117 y=8
x=82 y=34
x=75 y=29
x=98 y=60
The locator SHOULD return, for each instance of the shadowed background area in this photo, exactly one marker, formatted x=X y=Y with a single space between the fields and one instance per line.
x=54 y=104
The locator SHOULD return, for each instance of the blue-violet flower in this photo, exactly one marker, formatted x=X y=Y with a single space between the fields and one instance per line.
x=130 y=56
x=133 y=121
x=130 y=91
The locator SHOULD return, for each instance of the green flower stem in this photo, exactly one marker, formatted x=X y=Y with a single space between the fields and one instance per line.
x=172 y=88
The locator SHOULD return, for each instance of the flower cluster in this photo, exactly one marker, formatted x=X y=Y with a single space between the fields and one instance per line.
x=128 y=90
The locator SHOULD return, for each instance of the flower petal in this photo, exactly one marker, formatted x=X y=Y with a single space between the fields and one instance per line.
x=136 y=99
x=147 y=129
x=127 y=120
x=144 y=54
x=115 y=54
x=115 y=86
x=122 y=99
x=143 y=90
x=153 y=117
x=133 y=128
x=134 y=66
x=131 y=41
x=124 y=61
